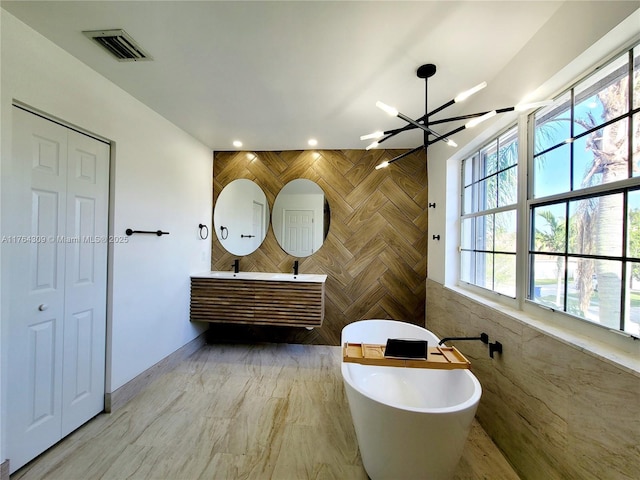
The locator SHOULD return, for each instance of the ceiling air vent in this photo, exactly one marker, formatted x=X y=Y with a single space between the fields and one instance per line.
x=120 y=44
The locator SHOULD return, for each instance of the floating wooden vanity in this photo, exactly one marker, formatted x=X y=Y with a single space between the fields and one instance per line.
x=258 y=298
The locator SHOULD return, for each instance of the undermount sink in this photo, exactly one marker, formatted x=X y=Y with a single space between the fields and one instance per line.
x=238 y=275
x=264 y=276
x=301 y=277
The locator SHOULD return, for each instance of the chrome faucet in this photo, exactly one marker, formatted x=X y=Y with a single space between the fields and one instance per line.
x=236 y=266
x=295 y=267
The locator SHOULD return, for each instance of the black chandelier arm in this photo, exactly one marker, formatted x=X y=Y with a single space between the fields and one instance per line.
x=386 y=137
x=470 y=116
x=392 y=133
x=439 y=109
x=396 y=131
x=405 y=154
x=412 y=125
x=451 y=119
x=448 y=134
x=422 y=126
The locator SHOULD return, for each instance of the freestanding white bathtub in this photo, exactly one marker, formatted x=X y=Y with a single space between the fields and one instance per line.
x=411 y=423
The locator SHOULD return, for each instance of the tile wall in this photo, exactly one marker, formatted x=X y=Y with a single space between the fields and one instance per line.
x=375 y=254
x=556 y=411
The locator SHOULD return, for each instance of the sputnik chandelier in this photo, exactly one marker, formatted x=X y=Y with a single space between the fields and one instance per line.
x=425 y=122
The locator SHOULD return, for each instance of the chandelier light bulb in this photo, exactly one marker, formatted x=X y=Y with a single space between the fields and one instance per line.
x=384 y=164
x=373 y=145
x=386 y=108
x=479 y=120
x=451 y=143
x=467 y=93
x=369 y=136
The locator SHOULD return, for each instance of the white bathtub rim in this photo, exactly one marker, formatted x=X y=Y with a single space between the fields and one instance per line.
x=471 y=402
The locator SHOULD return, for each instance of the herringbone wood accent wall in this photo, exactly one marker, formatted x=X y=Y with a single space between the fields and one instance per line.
x=375 y=254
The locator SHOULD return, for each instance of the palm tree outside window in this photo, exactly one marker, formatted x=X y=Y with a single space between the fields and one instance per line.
x=584 y=198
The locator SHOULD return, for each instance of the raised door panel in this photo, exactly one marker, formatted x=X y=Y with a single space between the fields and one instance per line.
x=37 y=286
x=57 y=255
x=298 y=236
x=85 y=282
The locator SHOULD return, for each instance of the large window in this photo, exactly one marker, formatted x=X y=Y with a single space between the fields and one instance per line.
x=489 y=201
x=584 y=198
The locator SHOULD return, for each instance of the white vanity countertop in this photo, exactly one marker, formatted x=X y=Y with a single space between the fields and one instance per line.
x=268 y=277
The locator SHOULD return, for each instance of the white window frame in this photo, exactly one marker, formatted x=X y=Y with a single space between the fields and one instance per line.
x=616 y=346
x=476 y=213
x=588 y=192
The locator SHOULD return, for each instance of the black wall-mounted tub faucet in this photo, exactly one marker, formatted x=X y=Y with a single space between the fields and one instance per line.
x=236 y=266
x=484 y=338
x=295 y=267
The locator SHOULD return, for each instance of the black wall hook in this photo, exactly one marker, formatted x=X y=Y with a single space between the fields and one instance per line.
x=432 y=205
x=436 y=237
x=495 y=348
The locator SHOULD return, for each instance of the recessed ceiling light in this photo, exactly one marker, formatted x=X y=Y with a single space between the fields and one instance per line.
x=237 y=143
x=312 y=142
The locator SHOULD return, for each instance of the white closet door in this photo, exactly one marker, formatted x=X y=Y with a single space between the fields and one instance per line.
x=34 y=404
x=56 y=326
x=85 y=281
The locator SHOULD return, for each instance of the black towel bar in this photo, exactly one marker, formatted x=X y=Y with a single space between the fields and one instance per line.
x=159 y=233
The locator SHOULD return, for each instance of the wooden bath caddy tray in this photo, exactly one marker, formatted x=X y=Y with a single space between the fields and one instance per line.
x=446 y=358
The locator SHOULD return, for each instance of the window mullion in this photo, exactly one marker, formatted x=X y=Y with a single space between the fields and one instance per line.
x=571 y=145
x=525 y=169
x=625 y=252
x=566 y=257
x=630 y=126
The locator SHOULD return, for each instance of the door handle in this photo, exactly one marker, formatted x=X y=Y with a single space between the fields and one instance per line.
x=43 y=307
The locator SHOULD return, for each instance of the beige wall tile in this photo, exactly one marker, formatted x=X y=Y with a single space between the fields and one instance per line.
x=556 y=411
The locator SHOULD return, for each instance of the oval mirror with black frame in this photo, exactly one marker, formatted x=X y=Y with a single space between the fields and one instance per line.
x=241 y=217
x=301 y=217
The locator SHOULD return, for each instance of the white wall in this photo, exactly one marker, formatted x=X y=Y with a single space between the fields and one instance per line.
x=161 y=179
x=561 y=50
x=2 y=350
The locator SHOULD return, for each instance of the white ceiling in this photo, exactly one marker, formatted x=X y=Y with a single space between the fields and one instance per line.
x=274 y=74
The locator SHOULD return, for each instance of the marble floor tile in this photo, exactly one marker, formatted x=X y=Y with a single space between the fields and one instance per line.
x=263 y=411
